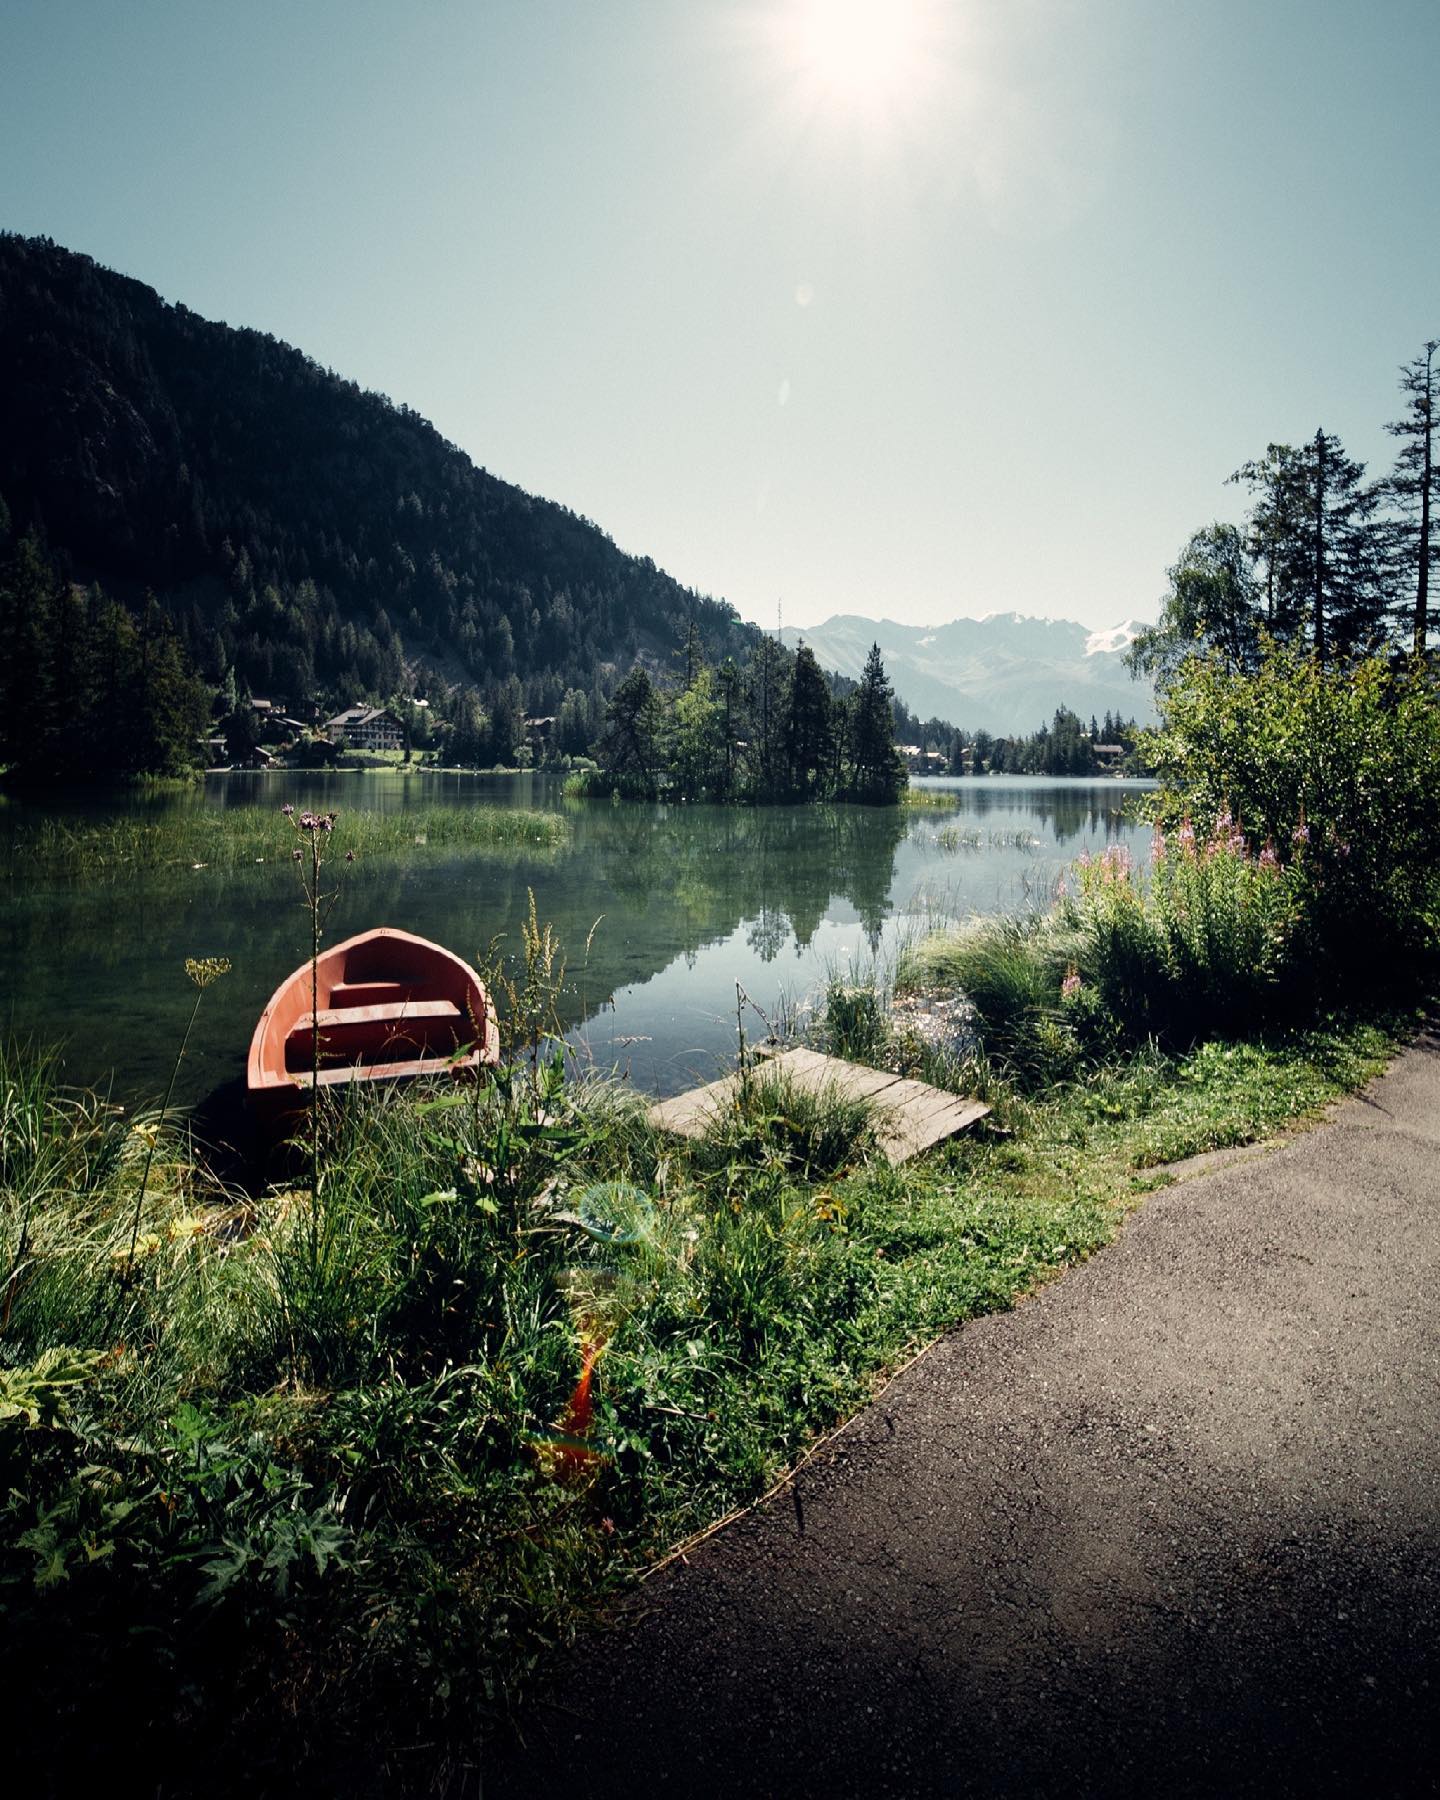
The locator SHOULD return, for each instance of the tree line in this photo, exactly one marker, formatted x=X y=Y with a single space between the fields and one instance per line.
x=88 y=687
x=1326 y=561
x=771 y=729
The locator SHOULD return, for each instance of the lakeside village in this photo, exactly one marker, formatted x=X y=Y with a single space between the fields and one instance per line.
x=260 y=733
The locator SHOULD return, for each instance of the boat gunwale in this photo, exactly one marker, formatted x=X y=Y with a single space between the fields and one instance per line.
x=263 y=1078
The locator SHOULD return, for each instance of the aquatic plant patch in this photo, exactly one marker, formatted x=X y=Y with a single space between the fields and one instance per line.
x=232 y=837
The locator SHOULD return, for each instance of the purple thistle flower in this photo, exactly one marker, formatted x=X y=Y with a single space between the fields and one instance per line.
x=287 y=812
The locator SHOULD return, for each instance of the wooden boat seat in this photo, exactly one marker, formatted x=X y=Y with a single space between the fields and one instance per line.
x=380 y=1014
x=374 y=993
x=421 y=1065
x=375 y=1035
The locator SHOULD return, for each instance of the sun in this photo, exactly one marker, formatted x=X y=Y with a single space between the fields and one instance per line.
x=864 y=53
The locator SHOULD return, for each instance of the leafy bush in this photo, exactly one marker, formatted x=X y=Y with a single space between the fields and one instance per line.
x=1336 y=771
x=1205 y=943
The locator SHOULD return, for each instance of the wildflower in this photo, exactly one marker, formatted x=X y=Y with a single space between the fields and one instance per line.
x=203 y=970
x=295 y=856
x=1072 y=984
x=1268 y=858
x=349 y=856
x=1301 y=834
x=1187 y=837
x=287 y=812
x=1157 y=844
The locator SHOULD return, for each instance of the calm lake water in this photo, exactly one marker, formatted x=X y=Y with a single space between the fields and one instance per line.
x=684 y=903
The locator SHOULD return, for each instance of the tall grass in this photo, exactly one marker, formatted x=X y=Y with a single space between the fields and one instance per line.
x=230 y=837
x=348 y=1463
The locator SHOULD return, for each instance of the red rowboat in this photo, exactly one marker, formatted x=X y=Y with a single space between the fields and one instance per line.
x=388 y=1005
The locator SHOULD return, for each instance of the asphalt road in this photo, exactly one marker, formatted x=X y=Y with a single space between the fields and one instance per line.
x=1172 y=1528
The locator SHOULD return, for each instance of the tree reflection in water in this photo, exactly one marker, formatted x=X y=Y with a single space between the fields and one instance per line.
x=701 y=896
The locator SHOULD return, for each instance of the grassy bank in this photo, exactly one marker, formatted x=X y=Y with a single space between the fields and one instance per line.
x=228 y=837
x=287 y=1476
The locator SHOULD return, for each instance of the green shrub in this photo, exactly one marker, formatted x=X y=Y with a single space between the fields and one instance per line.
x=1205 y=942
x=1337 y=772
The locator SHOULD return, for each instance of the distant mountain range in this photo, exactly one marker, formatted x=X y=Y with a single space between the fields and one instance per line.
x=1004 y=674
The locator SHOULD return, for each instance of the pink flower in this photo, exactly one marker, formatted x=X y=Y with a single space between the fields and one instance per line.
x=1301 y=834
x=1072 y=984
x=1268 y=858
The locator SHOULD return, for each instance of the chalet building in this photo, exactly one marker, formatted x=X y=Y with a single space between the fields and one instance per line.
x=366 y=728
x=920 y=761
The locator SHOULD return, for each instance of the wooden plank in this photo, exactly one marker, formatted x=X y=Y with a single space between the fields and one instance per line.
x=911 y=1116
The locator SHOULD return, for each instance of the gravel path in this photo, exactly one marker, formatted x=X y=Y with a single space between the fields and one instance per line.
x=1170 y=1528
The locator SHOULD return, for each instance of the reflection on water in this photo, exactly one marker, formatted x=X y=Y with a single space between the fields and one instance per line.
x=689 y=900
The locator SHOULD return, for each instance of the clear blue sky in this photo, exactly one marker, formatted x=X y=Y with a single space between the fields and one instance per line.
x=917 y=310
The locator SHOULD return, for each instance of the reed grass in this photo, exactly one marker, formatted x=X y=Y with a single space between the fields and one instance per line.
x=232 y=837
x=322 y=1482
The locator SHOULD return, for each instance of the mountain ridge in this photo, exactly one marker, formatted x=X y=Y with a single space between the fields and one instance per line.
x=1006 y=673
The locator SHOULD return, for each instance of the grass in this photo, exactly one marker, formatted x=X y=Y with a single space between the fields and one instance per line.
x=229 y=837
x=322 y=1473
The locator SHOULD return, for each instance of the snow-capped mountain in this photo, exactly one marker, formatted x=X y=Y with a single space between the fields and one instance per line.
x=1005 y=673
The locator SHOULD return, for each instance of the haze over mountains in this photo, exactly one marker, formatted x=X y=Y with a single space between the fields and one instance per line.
x=310 y=538
x=1004 y=674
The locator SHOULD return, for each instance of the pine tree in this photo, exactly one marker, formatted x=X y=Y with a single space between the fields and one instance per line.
x=877 y=774
x=1275 y=534
x=808 y=727
x=629 y=745
x=766 y=696
x=1415 y=486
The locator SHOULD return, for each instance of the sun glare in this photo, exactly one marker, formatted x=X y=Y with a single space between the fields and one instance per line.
x=868 y=53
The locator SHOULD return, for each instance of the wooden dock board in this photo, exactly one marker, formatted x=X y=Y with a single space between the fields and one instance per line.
x=910 y=1115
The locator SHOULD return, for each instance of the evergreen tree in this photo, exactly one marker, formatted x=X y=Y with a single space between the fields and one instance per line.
x=1346 y=592
x=730 y=694
x=1275 y=535
x=808 y=728
x=766 y=694
x=877 y=773
x=629 y=745
x=1414 y=488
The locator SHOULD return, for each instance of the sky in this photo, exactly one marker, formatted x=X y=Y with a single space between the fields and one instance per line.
x=917 y=309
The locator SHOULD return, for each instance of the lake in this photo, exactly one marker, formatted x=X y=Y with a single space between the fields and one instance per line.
x=679 y=903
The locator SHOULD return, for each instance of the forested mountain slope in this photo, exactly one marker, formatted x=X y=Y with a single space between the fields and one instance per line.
x=310 y=536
